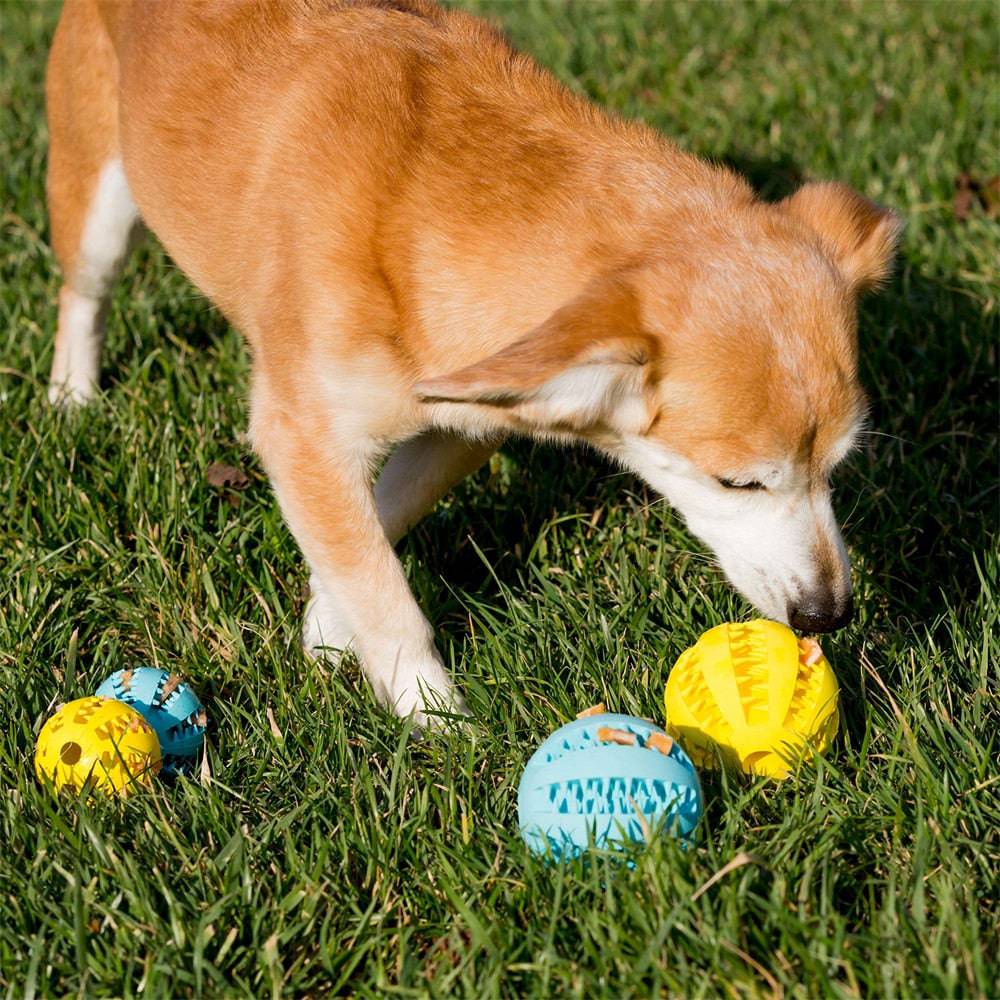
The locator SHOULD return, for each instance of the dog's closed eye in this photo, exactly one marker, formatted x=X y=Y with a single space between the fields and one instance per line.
x=732 y=484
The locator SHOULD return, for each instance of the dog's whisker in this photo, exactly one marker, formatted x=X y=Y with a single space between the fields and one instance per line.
x=884 y=434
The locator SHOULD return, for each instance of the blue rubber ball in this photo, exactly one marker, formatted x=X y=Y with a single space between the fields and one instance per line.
x=576 y=788
x=169 y=706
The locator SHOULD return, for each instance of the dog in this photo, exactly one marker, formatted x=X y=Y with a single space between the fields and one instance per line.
x=430 y=244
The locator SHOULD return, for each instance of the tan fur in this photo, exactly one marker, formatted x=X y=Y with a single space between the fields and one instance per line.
x=82 y=100
x=421 y=232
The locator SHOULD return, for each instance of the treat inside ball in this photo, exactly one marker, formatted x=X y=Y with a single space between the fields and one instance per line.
x=755 y=695
x=96 y=744
x=608 y=780
x=169 y=705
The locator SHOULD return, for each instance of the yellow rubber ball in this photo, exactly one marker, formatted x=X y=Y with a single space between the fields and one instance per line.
x=754 y=694
x=97 y=744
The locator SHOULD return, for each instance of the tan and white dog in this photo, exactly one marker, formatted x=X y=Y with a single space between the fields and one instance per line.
x=430 y=243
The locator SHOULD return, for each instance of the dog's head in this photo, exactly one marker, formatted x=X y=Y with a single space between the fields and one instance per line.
x=722 y=368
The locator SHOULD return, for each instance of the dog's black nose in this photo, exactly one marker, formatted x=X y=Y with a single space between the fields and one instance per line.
x=816 y=617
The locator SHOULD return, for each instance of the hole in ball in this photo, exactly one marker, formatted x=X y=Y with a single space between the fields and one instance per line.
x=70 y=753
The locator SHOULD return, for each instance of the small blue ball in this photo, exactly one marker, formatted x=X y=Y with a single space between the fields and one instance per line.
x=177 y=716
x=575 y=789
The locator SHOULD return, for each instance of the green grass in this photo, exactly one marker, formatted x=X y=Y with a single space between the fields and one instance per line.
x=341 y=856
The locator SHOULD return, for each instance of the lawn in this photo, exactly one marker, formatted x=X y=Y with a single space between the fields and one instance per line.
x=329 y=852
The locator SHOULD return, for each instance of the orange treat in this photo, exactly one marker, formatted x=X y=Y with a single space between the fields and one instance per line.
x=810 y=652
x=661 y=742
x=608 y=735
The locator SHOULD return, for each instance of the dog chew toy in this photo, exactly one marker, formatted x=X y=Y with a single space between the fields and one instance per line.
x=755 y=695
x=93 y=743
x=169 y=706
x=607 y=780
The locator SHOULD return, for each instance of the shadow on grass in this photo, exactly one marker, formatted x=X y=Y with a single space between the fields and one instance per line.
x=772 y=179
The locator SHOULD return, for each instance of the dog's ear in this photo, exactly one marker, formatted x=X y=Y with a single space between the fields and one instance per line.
x=589 y=363
x=861 y=235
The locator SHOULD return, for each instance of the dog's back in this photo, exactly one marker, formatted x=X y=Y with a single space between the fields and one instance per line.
x=249 y=129
x=232 y=114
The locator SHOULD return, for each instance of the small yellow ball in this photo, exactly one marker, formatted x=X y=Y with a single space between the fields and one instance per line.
x=97 y=743
x=755 y=693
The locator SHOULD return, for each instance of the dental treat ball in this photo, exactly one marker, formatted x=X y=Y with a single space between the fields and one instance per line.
x=169 y=705
x=93 y=743
x=609 y=778
x=755 y=693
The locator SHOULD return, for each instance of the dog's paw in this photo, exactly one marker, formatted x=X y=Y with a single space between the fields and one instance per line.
x=424 y=693
x=325 y=631
x=71 y=393
x=436 y=708
x=407 y=675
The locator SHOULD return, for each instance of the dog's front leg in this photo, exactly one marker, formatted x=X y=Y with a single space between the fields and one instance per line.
x=421 y=471
x=418 y=473
x=324 y=487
